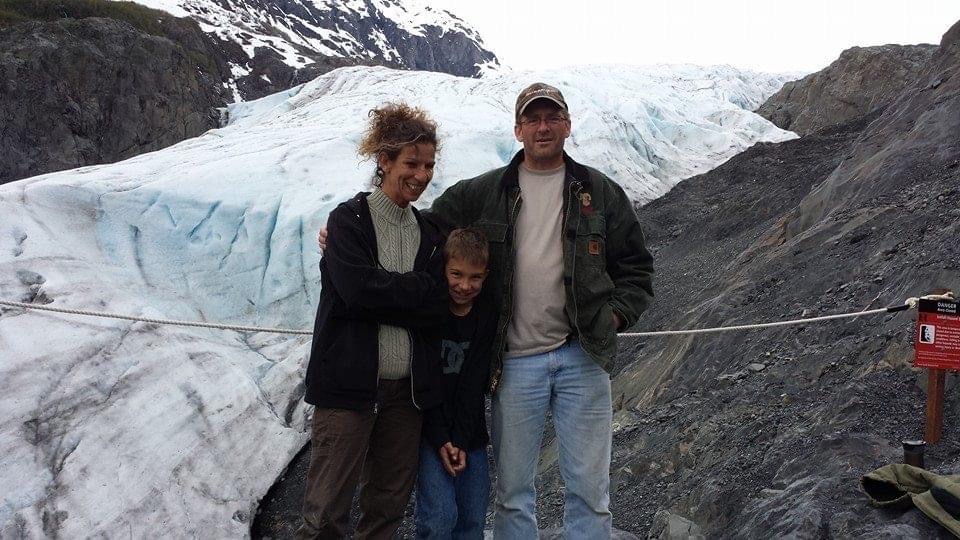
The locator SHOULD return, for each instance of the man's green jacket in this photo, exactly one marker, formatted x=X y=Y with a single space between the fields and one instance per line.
x=606 y=266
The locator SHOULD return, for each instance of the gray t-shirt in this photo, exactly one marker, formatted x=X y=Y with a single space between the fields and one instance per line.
x=539 y=323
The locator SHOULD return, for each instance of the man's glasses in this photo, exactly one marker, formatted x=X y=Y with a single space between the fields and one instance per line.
x=552 y=121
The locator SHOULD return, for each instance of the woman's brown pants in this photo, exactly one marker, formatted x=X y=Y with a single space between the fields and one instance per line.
x=378 y=448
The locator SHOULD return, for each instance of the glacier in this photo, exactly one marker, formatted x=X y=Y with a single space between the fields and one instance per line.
x=118 y=428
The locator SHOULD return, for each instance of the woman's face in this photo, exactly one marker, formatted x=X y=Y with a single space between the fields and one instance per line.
x=405 y=177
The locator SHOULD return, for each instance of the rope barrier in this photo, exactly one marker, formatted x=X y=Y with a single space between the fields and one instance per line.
x=170 y=322
x=764 y=325
x=910 y=303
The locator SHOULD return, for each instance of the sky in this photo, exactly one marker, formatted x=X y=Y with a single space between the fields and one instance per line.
x=766 y=35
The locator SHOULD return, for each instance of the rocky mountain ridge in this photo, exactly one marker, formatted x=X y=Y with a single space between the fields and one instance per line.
x=861 y=80
x=274 y=44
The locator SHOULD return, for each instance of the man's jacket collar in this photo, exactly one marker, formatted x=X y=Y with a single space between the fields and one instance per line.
x=511 y=176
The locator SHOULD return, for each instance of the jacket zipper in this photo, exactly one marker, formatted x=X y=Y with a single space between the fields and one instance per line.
x=413 y=395
x=376 y=395
x=573 y=257
x=373 y=256
x=495 y=380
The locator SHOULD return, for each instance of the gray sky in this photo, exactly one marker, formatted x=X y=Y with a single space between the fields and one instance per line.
x=769 y=35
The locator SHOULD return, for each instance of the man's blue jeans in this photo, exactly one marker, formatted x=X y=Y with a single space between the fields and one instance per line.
x=449 y=507
x=577 y=391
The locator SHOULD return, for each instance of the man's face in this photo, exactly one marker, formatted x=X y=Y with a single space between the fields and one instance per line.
x=464 y=280
x=543 y=127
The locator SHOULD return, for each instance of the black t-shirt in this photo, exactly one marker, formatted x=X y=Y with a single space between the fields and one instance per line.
x=465 y=348
x=455 y=342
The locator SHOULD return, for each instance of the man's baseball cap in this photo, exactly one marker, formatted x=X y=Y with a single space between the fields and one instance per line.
x=539 y=91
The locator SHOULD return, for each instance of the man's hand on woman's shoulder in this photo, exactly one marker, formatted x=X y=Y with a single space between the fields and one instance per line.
x=322 y=238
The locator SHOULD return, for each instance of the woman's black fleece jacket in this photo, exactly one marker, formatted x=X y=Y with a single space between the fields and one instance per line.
x=357 y=296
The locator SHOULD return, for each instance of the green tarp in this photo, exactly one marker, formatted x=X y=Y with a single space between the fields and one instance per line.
x=900 y=486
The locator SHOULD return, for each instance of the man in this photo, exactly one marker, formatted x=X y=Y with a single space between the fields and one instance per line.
x=568 y=258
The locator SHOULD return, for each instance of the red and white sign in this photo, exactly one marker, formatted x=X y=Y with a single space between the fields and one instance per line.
x=938 y=335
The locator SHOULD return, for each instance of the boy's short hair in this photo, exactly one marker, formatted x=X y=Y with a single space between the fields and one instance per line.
x=468 y=244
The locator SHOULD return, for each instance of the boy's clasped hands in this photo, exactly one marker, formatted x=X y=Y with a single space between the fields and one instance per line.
x=454 y=459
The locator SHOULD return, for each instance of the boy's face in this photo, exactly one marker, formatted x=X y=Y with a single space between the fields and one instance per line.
x=464 y=280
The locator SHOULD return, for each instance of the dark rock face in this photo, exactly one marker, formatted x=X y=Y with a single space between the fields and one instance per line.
x=455 y=49
x=855 y=216
x=269 y=74
x=82 y=92
x=319 y=37
x=861 y=80
x=438 y=50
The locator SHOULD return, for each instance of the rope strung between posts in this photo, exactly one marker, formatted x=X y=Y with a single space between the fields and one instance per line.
x=169 y=322
x=910 y=303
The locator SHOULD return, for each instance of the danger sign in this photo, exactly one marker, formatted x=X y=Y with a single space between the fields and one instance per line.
x=938 y=335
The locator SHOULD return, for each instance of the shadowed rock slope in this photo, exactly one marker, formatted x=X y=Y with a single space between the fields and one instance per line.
x=767 y=432
x=861 y=80
x=92 y=90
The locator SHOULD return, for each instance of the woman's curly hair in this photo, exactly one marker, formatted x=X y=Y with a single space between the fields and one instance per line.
x=392 y=127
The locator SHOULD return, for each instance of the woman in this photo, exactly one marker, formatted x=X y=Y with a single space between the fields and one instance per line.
x=373 y=367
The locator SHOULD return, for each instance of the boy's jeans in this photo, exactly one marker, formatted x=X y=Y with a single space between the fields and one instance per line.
x=577 y=391
x=449 y=507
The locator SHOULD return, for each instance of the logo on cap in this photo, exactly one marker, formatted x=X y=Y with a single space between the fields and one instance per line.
x=539 y=91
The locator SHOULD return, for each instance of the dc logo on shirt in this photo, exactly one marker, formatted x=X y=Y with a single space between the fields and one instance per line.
x=453 y=353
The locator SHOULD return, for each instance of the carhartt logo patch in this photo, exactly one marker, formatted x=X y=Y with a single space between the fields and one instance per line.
x=593 y=247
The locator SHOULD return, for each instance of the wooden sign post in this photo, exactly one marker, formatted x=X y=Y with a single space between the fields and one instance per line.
x=934 y=423
x=937 y=348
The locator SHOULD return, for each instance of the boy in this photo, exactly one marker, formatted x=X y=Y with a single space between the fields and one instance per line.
x=453 y=483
